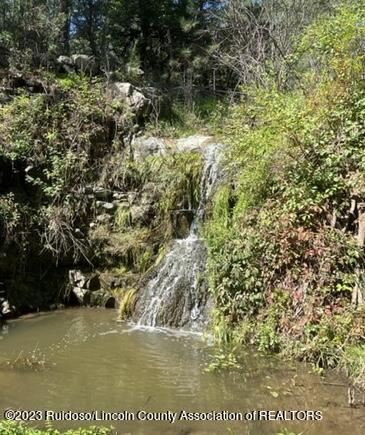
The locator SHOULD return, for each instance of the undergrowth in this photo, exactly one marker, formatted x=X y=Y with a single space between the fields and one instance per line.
x=284 y=259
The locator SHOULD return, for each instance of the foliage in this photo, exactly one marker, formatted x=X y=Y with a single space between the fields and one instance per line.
x=283 y=256
x=52 y=146
x=203 y=115
x=127 y=304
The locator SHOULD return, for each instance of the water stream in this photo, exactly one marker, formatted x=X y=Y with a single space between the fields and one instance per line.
x=92 y=363
x=176 y=295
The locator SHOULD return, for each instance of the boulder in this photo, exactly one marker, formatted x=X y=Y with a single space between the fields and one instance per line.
x=82 y=295
x=135 y=100
x=84 y=63
x=77 y=62
x=66 y=64
x=193 y=143
x=85 y=281
x=4 y=307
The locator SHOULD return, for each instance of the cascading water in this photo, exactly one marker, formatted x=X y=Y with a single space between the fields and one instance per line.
x=176 y=296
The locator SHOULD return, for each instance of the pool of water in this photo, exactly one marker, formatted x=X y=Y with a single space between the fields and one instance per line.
x=93 y=363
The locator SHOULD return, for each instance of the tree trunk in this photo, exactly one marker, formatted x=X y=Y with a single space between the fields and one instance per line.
x=65 y=9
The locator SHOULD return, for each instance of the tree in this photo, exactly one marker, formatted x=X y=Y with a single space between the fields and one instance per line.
x=255 y=36
x=65 y=11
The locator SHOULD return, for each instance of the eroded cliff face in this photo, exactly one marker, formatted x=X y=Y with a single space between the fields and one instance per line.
x=86 y=198
x=66 y=172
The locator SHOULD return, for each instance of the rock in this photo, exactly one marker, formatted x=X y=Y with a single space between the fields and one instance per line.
x=84 y=63
x=93 y=282
x=86 y=281
x=57 y=307
x=145 y=147
x=77 y=62
x=103 y=218
x=126 y=93
x=76 y=278
x=102 y=298
x=82 y=295
x=4 y=307
x=193 y=143
x=119 y=196
x=123 y=90
x=109 y=206
x=66 y=64
x=102 y=193
x=141 y=213
x=182 y=220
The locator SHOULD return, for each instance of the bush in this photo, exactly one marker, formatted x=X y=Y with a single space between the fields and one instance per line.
x=282 y=247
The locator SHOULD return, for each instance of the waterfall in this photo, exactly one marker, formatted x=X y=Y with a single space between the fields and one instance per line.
x=175 y=296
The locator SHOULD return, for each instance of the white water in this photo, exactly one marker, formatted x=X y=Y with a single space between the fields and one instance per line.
x=175 y=296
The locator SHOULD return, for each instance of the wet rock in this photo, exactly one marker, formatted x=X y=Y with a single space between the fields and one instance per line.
x=93 y=282
x=102 y=298
x=182 y=220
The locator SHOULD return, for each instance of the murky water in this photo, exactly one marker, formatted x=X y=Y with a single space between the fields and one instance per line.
x=92 y=363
